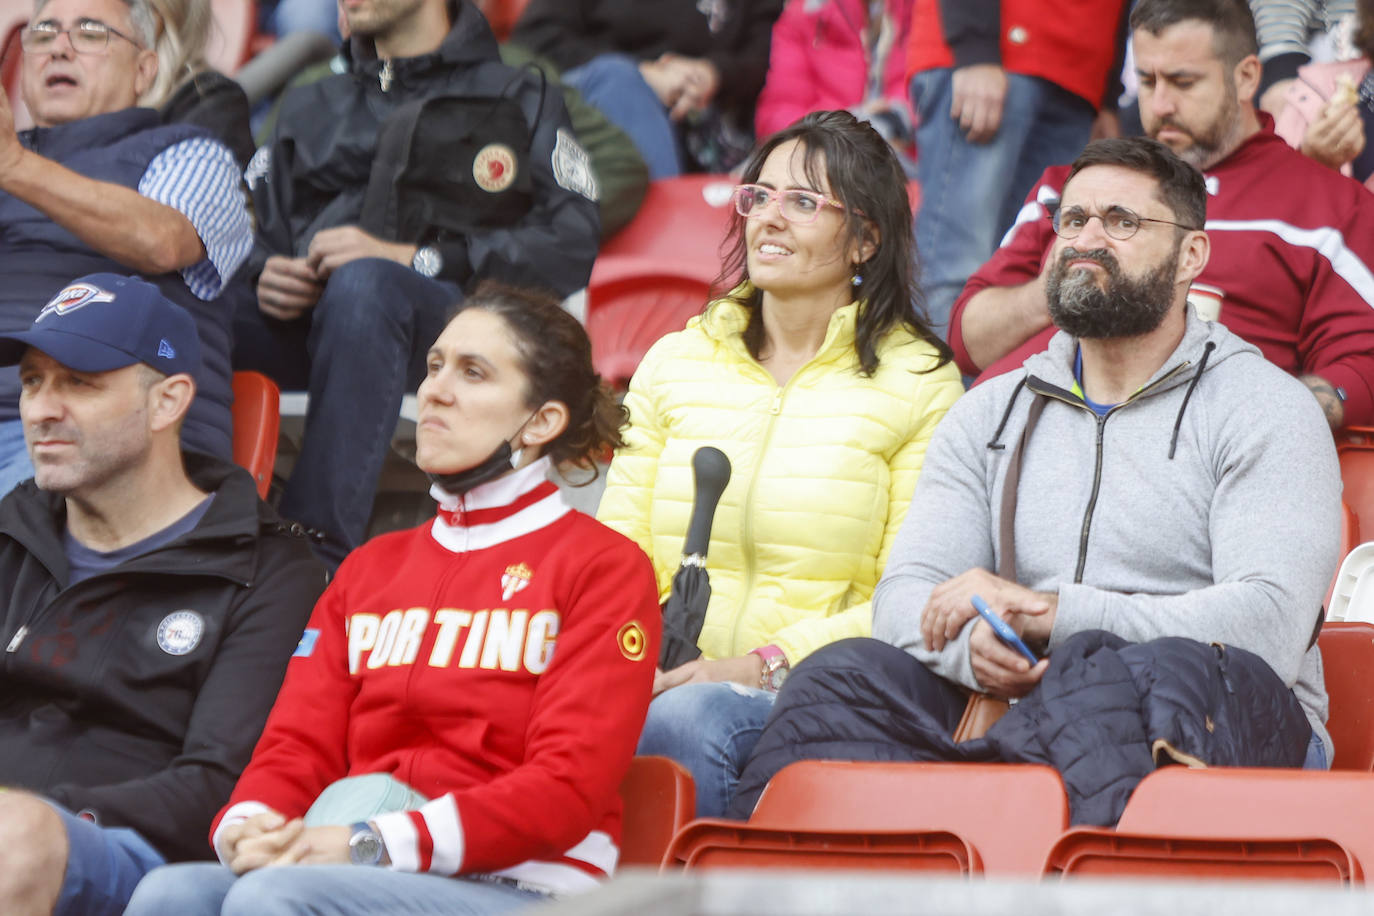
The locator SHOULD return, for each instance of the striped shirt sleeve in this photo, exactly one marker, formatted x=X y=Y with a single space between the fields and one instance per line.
x=200 y=179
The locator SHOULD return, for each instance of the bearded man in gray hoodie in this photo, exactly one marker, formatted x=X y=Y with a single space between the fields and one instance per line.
x=1150 y=484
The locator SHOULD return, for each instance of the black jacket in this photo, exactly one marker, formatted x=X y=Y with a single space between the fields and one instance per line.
x=1105 y=714
x=97 y=709
x=314 y=173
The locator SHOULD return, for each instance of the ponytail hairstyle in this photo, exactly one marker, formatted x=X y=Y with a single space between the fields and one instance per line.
x=556 y=358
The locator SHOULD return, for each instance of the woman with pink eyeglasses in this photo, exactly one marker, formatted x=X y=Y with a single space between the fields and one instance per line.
x=819 y=378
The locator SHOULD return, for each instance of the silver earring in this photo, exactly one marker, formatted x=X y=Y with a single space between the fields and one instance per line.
x=857 y=279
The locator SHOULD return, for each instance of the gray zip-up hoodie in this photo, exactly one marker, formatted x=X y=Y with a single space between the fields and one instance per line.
x=1206 y=506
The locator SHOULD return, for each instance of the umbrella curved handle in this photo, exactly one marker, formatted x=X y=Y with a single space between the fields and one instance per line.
x=711 y=472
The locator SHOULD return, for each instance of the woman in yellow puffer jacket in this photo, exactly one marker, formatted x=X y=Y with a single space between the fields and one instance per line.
x=822 y=384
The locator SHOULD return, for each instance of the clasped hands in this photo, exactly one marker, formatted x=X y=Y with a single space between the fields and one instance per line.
x=1000 y=670
x=742 y=669
x=289 y=287
x=270 y=838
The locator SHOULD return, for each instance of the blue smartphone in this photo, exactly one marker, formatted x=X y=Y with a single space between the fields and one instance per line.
x=1003 y=631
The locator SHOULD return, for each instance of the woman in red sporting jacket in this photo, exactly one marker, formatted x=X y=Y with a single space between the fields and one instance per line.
x=468 y=694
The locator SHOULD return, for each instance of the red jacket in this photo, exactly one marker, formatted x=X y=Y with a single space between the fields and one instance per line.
x=1292 y=252
x=819 y=62
x=1072 y=43
x=499 y=661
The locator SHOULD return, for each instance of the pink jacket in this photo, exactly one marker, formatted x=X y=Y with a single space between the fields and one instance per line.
x=1315 y=84
x=819 y=61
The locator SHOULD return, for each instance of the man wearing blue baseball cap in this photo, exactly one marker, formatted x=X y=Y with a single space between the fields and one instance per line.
x=149 y=602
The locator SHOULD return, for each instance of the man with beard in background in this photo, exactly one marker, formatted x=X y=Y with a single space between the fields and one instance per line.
x=1149 y=476
x=1292 y=242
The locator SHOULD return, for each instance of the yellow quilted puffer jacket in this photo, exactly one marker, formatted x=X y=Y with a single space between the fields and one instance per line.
x=822 y=473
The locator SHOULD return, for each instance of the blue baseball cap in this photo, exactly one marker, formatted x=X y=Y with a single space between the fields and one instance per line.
x=103 y=322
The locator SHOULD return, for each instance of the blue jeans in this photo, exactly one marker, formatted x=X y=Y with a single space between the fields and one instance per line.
x=971 y=192
x=104 y=865
x=612 y=84
x=15 y=465
x=359 y=351
x=709 y=729
x=205 y=889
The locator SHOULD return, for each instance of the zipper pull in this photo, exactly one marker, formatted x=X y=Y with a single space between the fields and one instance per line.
x=18 y=638
x=384 y=78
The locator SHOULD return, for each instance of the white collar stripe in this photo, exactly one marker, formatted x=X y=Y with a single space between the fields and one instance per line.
x=537 y=515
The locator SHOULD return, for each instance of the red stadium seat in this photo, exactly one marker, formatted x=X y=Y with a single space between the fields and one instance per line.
x=679 y=227
x=1348 y=661
x=997 y=818
x=256 y=417
x=659 y=798
x=625 y=316
x=1095 y=853
x=1355 y=448
x=1240 y=805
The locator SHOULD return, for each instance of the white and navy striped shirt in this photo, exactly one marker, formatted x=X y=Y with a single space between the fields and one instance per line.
x=200 y=179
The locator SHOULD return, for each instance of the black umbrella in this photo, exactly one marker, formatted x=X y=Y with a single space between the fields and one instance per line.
x=685 y=608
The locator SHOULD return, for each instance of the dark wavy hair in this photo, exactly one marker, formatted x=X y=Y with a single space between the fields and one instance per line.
x=556 y=358
x=1364 y=28
x=864 y=174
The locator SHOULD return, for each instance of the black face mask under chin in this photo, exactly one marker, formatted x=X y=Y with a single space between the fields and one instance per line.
x=496 y=464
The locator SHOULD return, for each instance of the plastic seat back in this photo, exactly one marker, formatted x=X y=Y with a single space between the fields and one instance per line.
x=659 y=798
x=1356 y=453
x=625 y=316
x=1234 y=803
x=680 y=225
x=256 y=417
x=1096 y=853
x=1009 y=814
x=715 y=843
x=1348 y=662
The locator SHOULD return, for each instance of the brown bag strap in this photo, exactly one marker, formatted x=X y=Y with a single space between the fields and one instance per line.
x=1006 y=522
x=982 y=710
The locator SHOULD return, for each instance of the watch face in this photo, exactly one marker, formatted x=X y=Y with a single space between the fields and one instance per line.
x=365 y=847
x=427 y=261
x=776 y=678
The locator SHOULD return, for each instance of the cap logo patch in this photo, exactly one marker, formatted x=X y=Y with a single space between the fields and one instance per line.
x=76 y=296
x=494 y=167
x=166 y=350
x=180 y=632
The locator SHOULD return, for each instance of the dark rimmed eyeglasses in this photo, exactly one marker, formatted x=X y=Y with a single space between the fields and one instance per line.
x=795 y=204
x=89 y=36
x=1118 y=222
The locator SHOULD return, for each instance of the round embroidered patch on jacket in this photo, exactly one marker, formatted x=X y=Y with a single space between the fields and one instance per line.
x=180 y=632
x=493 y=168
x=633 y=642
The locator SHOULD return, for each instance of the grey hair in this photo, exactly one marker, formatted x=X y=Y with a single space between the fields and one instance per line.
x=140 y=17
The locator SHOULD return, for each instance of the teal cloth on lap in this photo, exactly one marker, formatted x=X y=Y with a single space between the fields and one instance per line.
x=361 y=798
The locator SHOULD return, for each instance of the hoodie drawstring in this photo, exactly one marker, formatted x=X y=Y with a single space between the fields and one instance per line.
x=996 y=444
x=1178 y=422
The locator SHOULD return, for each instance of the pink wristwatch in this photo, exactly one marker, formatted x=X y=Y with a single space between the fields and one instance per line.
x=775 y=666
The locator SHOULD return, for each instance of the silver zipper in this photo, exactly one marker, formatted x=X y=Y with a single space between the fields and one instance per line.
x=18 y=638
x=384 y=78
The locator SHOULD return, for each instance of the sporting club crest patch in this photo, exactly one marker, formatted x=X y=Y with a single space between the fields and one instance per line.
x=494 y=167
x=515 y=579
x=78 y=295
x=180 y=632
